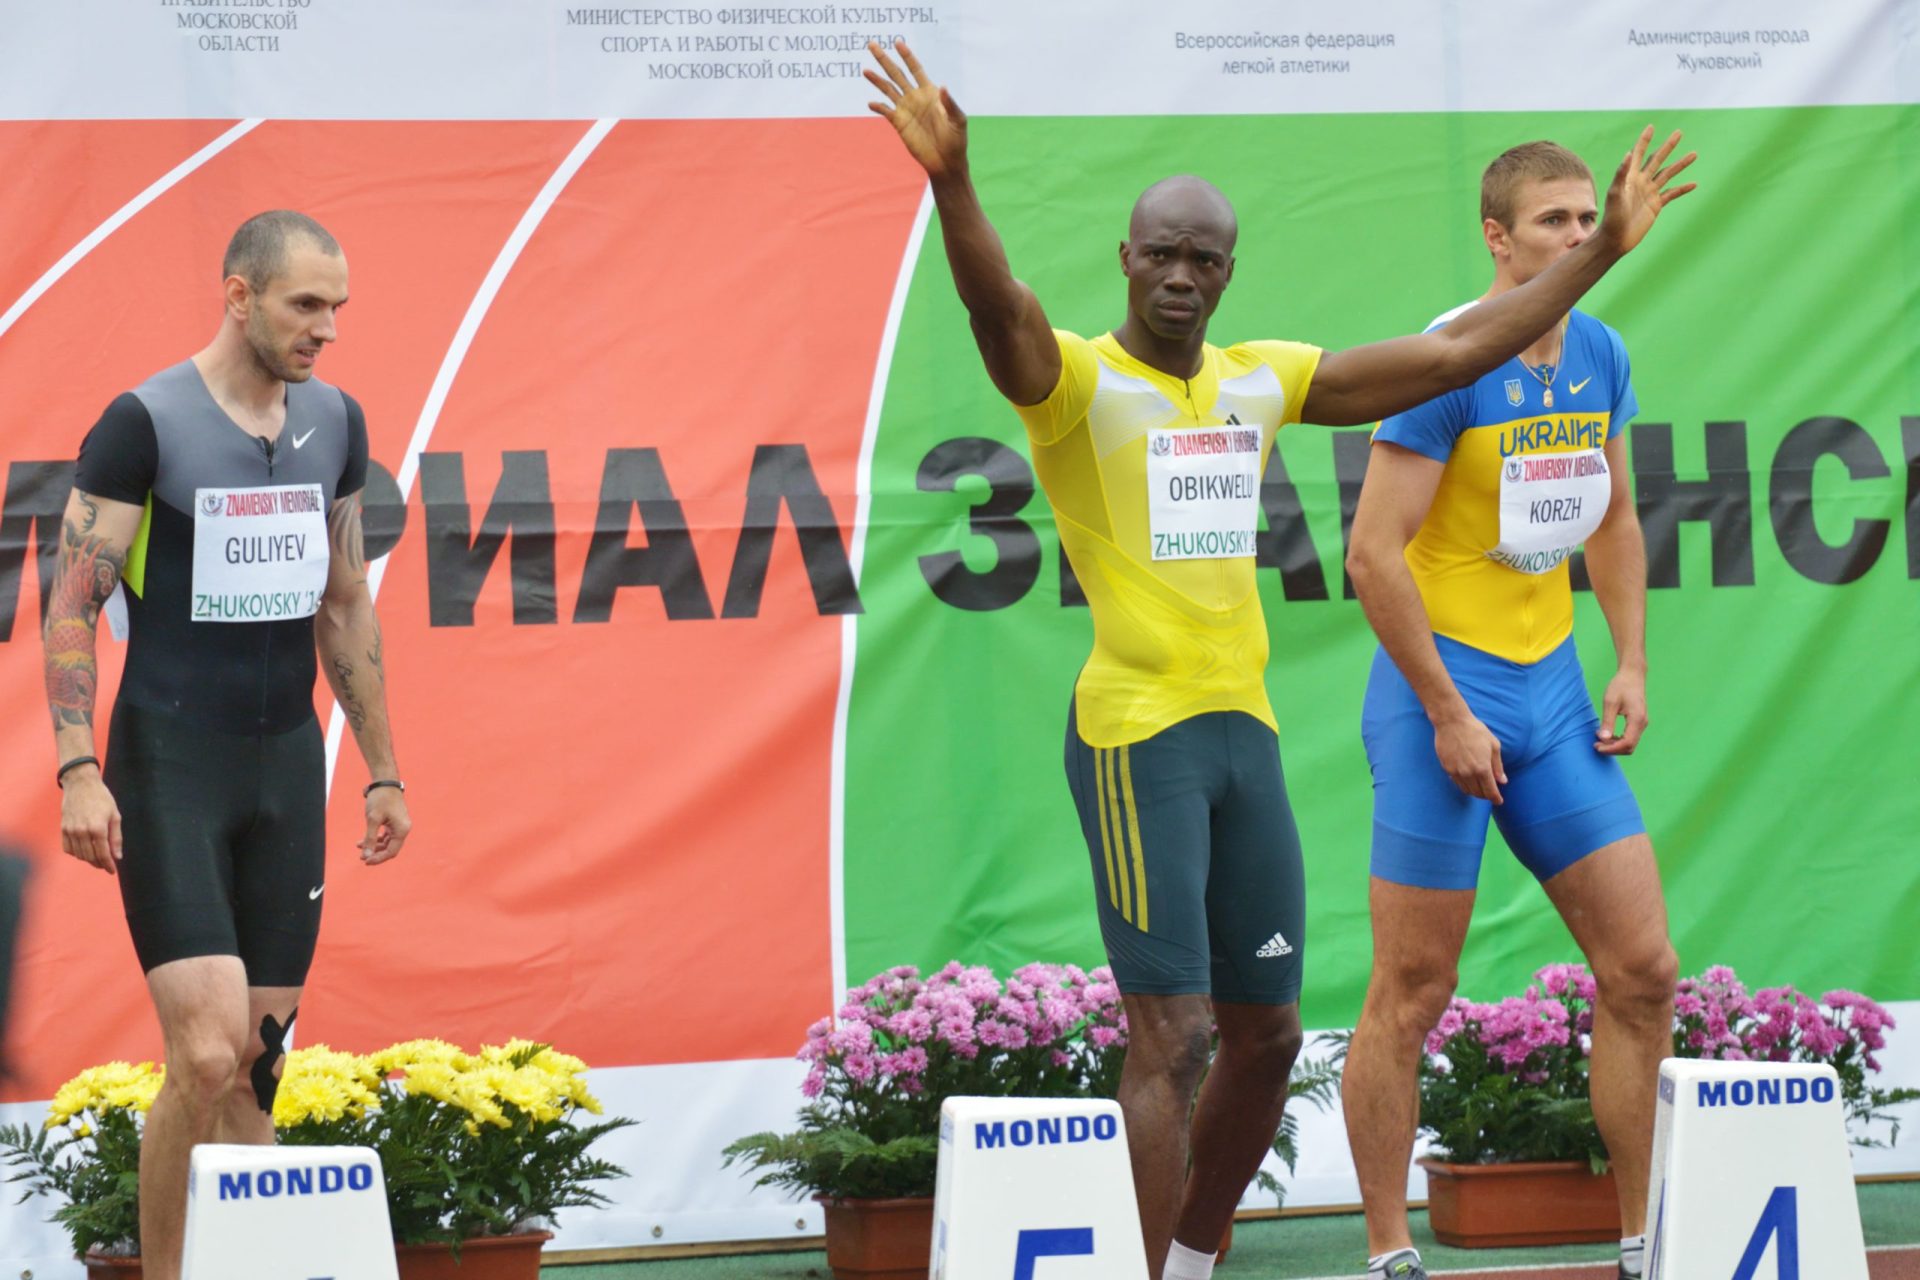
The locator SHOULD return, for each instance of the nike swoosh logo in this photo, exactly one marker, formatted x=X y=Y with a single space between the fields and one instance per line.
x=300 y=440
x=1573 y=390
x=315 y=893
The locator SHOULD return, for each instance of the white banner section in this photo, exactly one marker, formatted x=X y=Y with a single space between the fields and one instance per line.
x=552 y=59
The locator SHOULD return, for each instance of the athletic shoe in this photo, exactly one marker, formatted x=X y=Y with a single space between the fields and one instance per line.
x=1406 y=1269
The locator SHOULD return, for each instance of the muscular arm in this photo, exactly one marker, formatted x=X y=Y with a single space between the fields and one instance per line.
x=1394 y=501
x=1367 y=383
x=95 y=534
x=1617 y=566
x=1010 y=328
x=346 y=632
x=1015 y=340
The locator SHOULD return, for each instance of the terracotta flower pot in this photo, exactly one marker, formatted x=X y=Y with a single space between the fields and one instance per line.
x=878 y=1239
x=1478 y=1206
x=514 y=1257
x=104 y=1268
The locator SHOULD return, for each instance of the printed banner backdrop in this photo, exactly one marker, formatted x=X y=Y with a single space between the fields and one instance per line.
x=729 y=643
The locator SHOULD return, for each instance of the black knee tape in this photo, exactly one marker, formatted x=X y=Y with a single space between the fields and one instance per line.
x=273 y=1036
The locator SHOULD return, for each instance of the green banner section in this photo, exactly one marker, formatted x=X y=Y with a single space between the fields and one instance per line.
x=1770 y=319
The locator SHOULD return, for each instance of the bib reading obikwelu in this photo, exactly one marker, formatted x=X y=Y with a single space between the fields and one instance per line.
x=259 y=555
x=1203 y=491
x=1549 y=504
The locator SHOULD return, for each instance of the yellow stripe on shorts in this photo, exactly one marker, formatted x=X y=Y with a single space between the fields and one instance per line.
x=1133 y=820
x=1112 y=803
x=1106 y=836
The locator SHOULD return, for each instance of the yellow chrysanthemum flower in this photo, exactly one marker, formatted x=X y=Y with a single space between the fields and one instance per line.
x=564 y=1064
x=408 y=1054
x=497 y=1053
x=533 y=1092
x=110 y=1086
x=433 y=1080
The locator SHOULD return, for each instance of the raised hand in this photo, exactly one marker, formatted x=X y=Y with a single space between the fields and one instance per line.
x=1639 y=193
x=923 y=113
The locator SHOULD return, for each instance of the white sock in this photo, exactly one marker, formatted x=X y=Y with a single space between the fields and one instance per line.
x=1633 y=1255
x=1378 y=1268
x=1187 y=1264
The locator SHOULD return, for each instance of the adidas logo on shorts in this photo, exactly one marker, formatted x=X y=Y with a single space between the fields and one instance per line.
x=1275 y=947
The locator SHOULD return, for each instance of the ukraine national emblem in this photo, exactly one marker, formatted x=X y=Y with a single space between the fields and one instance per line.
x=1513 y=391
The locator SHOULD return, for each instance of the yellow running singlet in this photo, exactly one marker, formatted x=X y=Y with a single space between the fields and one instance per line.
x=1155 y=482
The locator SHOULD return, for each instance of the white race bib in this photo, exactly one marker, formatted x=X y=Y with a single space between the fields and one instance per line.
x=1203 y=491
x=259 y=555
x=1549 y=504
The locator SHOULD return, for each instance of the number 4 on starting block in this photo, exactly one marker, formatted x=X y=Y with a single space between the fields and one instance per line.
x=1034 y=1189
x=1751 y=1175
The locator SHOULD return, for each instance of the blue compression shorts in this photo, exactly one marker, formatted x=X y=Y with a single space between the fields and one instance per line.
x=1562 y=799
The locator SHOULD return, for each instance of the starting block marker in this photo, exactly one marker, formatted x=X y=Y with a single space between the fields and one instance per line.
x=1034 y=1189
x=1752 y=1179
x=287 y=1213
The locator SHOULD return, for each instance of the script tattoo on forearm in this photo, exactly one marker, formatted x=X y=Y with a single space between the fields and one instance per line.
x=346 y=536
x=85 y=574
x=344 y=690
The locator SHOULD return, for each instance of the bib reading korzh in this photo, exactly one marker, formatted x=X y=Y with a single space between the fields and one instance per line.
x=1203 y=491
x=1549 y=504
x=259 y=555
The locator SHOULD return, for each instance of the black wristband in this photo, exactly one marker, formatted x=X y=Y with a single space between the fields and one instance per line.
x=60 y=778
x=395 y=783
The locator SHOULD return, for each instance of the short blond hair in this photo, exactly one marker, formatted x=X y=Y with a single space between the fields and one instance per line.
x=1528 y=162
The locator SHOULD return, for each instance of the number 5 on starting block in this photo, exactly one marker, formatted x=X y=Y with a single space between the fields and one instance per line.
x=1751 y=1175
x=1034 y=1189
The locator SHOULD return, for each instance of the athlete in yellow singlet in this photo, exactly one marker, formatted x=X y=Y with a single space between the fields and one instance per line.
x=1150 y=445
x=1125 y=456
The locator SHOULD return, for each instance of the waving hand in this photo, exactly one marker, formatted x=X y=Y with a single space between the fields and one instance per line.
x=924 y=114
x=1639 y=193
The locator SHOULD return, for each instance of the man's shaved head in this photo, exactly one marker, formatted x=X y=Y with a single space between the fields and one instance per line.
x=259 y=249
x=1184 y=200
x=1178 y=258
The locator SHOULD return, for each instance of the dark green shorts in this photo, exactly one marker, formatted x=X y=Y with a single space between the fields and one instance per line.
x=1196 y=859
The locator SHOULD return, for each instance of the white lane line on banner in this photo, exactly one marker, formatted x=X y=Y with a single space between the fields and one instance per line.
x=456 y=356
x=850 y=623
x=121 y=216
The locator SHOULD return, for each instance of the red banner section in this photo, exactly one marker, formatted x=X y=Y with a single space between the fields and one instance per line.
x=612 y=663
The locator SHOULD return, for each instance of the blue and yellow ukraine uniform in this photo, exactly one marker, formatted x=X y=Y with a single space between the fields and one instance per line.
x=1172 y=753
x=1524 y=485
